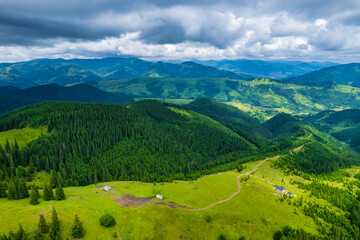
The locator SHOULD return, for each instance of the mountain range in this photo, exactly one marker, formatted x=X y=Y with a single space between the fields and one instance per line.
x=63 y=72
x=272 y=69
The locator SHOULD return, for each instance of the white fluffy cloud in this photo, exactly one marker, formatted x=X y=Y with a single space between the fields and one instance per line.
x=180 y=30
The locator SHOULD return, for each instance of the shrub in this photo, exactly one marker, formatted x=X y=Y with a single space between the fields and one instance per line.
x=107 y=220
x=222 y=237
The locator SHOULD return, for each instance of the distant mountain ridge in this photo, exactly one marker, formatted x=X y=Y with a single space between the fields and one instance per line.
x=63 y=72
x=348 y=74
x=273 y=69
x=12 y=97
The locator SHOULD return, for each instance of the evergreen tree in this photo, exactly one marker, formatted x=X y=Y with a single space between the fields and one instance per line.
x=3 y=193
x=7 y=147
x=60 y=195
x=77 y=230
x=20 y=234
x=55 y=226
x=53 y=179
x=42 y=226
x=34 y=196
x=12 y=191
x=22 y=189
x=38 y=235
x=59 y=179
x=46 y=193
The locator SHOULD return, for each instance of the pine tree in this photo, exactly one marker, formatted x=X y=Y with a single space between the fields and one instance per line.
x=22 y=189
x=34 y=196
x=60 y=195
x=55 y=219
x=43 y=227
x=20 y=234
x=77 y=230
x=53 y=179
x=7 y=147
x=55 y=225
x=46 y=193
x=12 y=191
x=38 y=235
x=3 y=193
x=59 y=179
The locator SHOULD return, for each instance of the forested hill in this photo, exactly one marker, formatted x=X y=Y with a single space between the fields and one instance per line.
x=145 y=141
x=152 y=141
x=348 y=74
x=63 y=72
x=240 y=122
x=12 y=97
x=343 y=125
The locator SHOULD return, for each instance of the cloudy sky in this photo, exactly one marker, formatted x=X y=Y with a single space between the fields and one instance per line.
x=325 y=30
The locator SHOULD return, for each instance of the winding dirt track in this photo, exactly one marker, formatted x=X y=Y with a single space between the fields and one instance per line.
x=238 y=182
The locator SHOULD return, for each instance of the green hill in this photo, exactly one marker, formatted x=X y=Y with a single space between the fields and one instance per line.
x=240 y=122
x=263 y=97
x=348 y=74
x=63 y=72
x=12 y=98
x=43 y=71
x=144 y=141
x=343 y=125
x=272 y=69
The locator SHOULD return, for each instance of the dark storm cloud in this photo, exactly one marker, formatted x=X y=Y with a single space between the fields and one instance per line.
x=222 y=28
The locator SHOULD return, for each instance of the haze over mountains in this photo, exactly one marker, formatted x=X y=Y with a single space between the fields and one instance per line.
x=272 y=69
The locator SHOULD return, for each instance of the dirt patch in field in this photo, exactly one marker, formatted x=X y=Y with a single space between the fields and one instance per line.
x=132 y=201
x=171 y=204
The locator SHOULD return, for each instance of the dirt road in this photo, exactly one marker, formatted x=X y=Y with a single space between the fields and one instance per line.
x=238 y=182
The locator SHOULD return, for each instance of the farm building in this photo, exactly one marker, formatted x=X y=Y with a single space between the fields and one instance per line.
x=107 y=188
x=280 y=189
x=283 y=190
x=160 y=197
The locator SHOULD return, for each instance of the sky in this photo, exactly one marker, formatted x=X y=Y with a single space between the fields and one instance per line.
x=307 y=30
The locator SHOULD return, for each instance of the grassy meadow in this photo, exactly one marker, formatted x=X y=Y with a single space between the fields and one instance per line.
x=255 y=212
x=23 y=136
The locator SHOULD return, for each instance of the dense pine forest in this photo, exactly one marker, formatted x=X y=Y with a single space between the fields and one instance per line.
x=145 y=141
x=152 y=141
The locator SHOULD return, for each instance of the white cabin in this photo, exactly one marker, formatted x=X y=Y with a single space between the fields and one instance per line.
x=160 y=197
x=107 y=188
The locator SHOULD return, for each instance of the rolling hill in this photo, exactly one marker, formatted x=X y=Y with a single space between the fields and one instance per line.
x=12 y=97
x=63 y=72
x=124 y=68
x=348 y=74
x=43 y=71
x=261 y=97
x=271 y=69
x=152 y=142
x=342 y=125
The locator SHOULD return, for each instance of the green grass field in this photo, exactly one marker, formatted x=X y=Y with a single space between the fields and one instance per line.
x=22 y=136
x=255 y=212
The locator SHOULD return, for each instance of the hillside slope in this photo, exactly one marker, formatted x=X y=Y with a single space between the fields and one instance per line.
x=12 y=98
x=63 y=72
x=271 y=69
x=144 y=141
x=343 y=125
x=43 y=71
x=348 y=74
x=262 y=97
